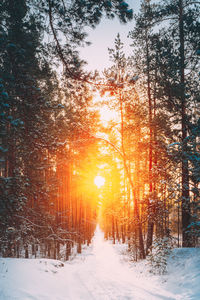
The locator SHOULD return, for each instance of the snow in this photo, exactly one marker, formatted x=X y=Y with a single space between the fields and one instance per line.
x=99 y=273
x=184 y=273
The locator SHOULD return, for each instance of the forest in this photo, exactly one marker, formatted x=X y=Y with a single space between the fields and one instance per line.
x=120 y=149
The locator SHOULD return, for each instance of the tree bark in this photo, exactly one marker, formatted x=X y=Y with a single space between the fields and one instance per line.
x=150 y=225
x=186 y=214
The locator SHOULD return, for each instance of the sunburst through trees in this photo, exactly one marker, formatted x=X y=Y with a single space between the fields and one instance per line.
x=76 y=148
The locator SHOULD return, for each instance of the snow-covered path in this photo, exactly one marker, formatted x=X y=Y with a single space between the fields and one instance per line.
x=96 y=274
x=104 y=277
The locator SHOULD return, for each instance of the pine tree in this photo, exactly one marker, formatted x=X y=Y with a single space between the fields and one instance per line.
x=121 y=85
x=27 y=133
x=69 y=19
x=186 y=43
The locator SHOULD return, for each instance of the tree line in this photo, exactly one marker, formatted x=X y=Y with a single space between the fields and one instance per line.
x=47 y=128
x=44 y=126
x=155 y=91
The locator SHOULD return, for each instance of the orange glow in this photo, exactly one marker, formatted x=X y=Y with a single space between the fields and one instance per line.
x=99 y=181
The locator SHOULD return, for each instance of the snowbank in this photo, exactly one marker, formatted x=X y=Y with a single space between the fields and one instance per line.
x=184 y=273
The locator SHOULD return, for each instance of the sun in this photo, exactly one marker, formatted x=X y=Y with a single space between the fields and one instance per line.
x=99 y=181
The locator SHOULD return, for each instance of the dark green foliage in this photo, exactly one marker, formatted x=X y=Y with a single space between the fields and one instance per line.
x=172 y=70
x=35 y=126
x=25 y=131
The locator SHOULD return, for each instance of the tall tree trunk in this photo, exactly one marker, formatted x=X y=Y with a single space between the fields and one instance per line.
x=136 y=211
x=186 y=215
x=150 y=225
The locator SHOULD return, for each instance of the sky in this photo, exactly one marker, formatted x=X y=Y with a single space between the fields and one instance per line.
x=102 y=38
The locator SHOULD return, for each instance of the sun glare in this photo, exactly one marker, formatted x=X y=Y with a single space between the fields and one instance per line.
x=99 y=181
x=106 y=115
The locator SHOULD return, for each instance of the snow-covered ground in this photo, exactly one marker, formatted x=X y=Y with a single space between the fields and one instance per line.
x=99 y=273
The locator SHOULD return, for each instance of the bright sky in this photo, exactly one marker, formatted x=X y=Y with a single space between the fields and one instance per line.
x=102 y=38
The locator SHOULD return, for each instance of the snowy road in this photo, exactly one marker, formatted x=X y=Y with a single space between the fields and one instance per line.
x=103 y=277
x=96 y=274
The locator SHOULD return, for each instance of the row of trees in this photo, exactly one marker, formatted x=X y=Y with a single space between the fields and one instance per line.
x=155 y=91
x=47 y=129
x=45 y=124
